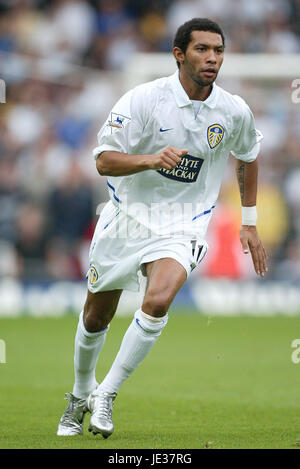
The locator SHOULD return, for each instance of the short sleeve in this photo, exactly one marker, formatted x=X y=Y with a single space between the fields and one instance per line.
x=246 y=143
x=122 y=128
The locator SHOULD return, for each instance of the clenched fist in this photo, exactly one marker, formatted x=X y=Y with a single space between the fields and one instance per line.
x=167 y=158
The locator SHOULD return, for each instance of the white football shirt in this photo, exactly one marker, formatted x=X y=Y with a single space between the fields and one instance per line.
x=159 y=114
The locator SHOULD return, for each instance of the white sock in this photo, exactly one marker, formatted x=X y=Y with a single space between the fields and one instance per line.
x=137 y=342
x=87 y=349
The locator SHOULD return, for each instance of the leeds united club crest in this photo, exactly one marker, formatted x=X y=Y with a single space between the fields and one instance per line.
x=215 y=134
x=93 y=275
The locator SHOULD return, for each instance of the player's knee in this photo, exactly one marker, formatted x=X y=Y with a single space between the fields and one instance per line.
x=95 y=319
x=156 y=304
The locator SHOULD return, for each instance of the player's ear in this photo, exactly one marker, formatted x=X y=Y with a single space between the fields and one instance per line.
x=178 y=54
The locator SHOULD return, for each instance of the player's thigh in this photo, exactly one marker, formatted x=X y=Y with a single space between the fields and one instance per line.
x=100 y=307
x=164 y=278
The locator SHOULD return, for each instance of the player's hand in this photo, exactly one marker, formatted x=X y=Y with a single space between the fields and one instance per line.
x=251 y=243
x=167 y=158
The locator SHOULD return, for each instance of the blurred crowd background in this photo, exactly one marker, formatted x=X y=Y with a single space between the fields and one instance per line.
x=62 y=62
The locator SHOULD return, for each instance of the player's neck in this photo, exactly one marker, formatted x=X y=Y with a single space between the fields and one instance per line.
x=192 y=89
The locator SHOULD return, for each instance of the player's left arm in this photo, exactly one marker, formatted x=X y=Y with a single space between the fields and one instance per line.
x=247 y=174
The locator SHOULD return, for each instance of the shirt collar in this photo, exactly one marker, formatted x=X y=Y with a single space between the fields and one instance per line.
x=182 y=98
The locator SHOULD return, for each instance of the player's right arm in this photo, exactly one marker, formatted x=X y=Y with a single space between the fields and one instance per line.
x=120 y=148
x=114 y=163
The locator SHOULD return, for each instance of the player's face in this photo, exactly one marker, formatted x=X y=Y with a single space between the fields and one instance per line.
x=203 y=57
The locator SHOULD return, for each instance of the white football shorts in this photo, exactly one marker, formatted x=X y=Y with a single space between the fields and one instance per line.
x=121 y=246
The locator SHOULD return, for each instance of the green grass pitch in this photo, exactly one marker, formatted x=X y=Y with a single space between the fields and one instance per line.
x=217 y=383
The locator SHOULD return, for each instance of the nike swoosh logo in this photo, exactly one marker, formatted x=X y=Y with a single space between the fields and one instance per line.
x=138 y=322
x=164 y=130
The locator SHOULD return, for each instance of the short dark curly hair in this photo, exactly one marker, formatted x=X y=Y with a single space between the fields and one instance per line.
x=183 y=34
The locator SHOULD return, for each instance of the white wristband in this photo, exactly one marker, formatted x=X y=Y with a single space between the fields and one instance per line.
x=249 y=216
